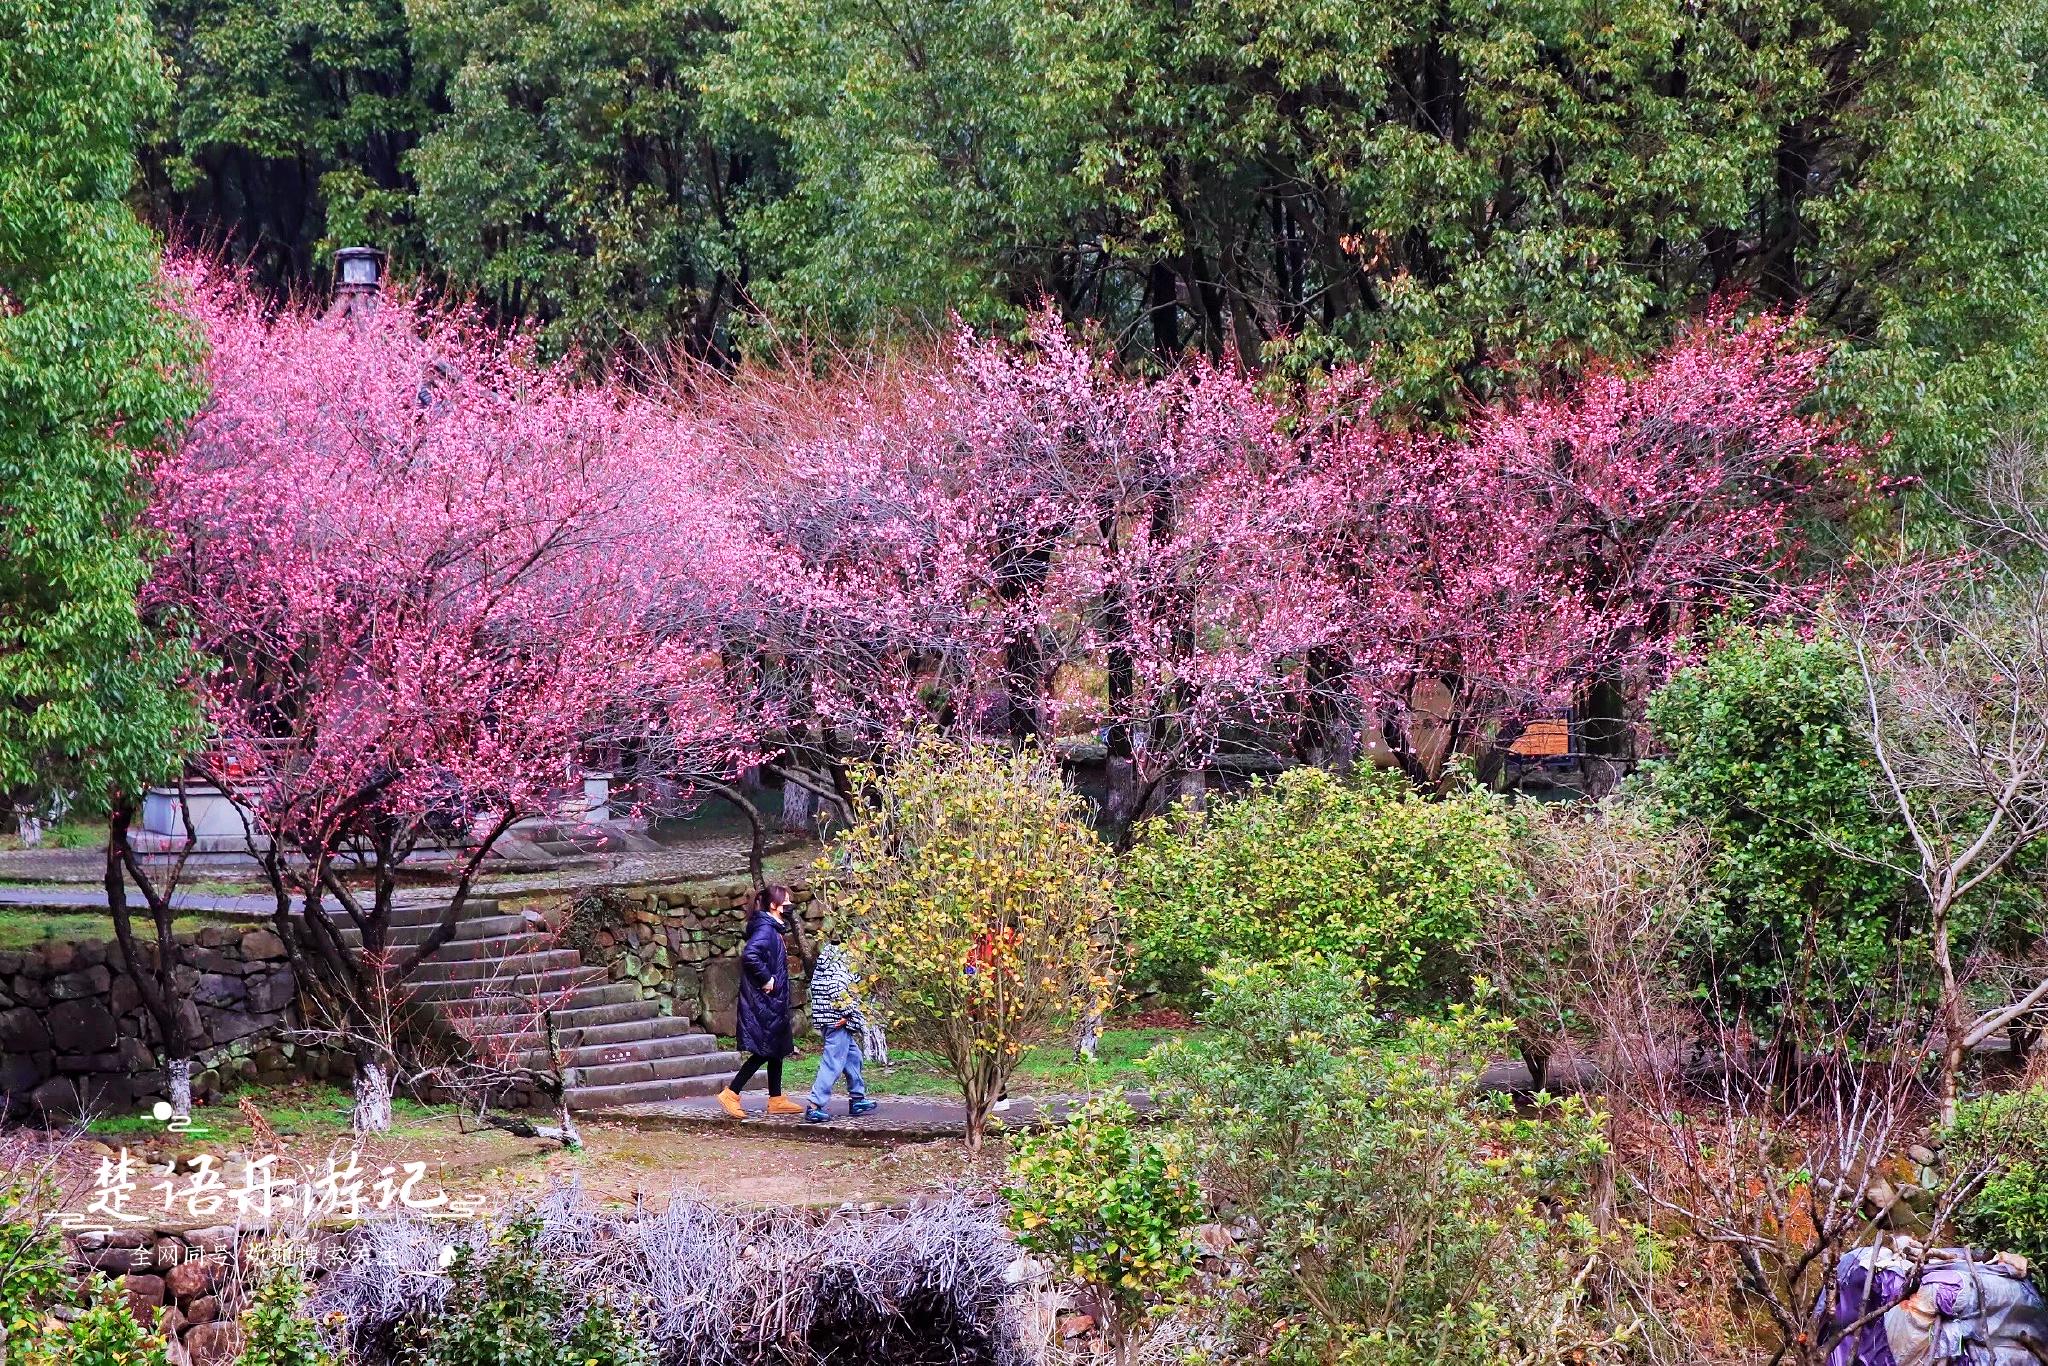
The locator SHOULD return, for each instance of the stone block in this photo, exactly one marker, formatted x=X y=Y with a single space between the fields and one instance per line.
x=210 y=960
x=218 y=937
x=145 y=1296
x=93 y=952
x=124 y=996
x=28 y=989
x=189 y=1280
x=76 y=986
x=226 y=1026
x=271 y=991
x=204 y=1309
x=261 y=945
x=23 y=1072
x=57 y=1096
x=220 y=989
x=721 y=979
x=23 y=1031
x=90 y=1063
x=213 y=1344
x=82 y=1027
x=60 y=956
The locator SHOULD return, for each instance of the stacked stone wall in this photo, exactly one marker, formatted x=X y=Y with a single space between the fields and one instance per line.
x=678 y=942
x=77 y=1038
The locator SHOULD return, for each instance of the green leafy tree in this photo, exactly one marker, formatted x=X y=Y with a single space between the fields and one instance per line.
x=1110 y=1207
x=289 y=130
x=1762 y=756
x=1403 y=1214
x=574 y=177
x=96 y=377
x=1478 y=194
x=1363 y=869
x=974 y=892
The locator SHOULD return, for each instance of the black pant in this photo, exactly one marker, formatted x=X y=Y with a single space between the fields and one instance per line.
x=753 y=1065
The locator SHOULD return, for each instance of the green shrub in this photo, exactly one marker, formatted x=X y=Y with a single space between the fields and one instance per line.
x=106 y=1334
x=976 y=900
x=1363 y=869
x=275 y=1329
x=1761 y=756
x=506 y=1308
x=32 y=1276
x=1403 y=1214
x=1109 y=1207
x=2004 y=1136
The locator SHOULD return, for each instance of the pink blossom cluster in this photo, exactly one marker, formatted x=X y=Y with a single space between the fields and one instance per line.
x=1031 y=536
x=427 y=571
x=430 y=570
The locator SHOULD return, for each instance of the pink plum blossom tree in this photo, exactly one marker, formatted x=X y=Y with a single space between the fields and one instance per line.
x=427 y=570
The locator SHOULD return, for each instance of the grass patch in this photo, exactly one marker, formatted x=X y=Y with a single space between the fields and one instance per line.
x=64 y=835
x=31 y=929
x=1044 y=1070
x=300 y=1110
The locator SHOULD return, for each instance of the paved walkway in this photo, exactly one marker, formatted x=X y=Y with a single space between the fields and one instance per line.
x=901 y=1119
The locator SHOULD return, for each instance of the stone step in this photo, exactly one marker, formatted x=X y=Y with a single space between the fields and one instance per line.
x=657 y=1028
x=656 y=1069
x=522 y=990
x=632 y=1043
x=628 y=1051
x=629 y=1009
x=586 y=1098
x=428 y=913
x=499 y=946
x=484 y=972
x=483 y=927
x=509 y=1004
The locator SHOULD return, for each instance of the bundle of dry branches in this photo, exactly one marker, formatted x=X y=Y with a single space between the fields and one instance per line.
x=710 y=1286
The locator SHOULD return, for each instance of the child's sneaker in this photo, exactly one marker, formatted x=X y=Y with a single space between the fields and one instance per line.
x=863 y=1107
x=817 y=1114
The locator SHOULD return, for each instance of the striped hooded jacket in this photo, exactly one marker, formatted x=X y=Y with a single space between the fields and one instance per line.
x=833 y=997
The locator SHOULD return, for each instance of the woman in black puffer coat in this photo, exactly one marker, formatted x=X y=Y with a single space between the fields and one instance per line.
x=764 y=1005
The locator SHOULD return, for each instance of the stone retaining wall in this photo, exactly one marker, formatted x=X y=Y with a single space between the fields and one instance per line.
x=75 y=1034
x=677 y=941
x=193 y=1277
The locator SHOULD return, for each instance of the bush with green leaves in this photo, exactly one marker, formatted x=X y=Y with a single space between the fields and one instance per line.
x=1109 y=1206
x=1403 y=1213
x=976 y=900
x=276 y=1330
x=506 y=1307
x=1360 y=868
x=2005 y=1138
x=1762 y=757
x=105 y=1334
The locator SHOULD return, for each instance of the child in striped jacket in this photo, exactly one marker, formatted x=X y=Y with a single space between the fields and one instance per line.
x=836 y=1015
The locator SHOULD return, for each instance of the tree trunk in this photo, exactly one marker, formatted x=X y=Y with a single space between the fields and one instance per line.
x=874 y=1040
x=1091 y=1034
x=372 y=1097
x=977 y=1123
x=178 y=1071
x=798 y=808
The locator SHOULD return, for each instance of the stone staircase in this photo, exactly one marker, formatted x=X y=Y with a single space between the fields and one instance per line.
x=617 y=1047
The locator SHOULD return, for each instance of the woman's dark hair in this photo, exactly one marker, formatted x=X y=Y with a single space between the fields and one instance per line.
x=774 y=894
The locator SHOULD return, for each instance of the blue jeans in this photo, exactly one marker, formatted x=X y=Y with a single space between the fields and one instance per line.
x=841 y=1055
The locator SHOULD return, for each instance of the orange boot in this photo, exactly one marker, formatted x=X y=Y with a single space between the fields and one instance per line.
x=783 y=1105
x=730 y=1099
